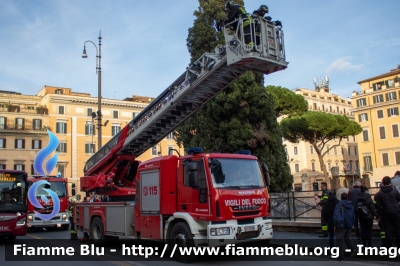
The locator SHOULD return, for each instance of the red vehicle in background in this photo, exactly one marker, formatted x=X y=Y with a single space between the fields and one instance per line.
x=59 y=186
x=13 y=203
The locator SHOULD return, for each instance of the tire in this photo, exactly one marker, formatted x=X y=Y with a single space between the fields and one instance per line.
x=182 y=237
x=97 y=231
x=11 y=238
x=64 y=227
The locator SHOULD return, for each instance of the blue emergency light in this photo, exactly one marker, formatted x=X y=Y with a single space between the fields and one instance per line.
x=246 y=152
x=194 y=150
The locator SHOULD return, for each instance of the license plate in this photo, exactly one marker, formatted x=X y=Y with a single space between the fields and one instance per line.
x=47 y=222
x=250 y=228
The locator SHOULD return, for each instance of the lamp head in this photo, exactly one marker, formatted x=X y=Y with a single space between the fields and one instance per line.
x=84 y=55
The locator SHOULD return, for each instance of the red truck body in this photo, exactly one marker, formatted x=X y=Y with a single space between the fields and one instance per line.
x=13 y=203
x=58 y=185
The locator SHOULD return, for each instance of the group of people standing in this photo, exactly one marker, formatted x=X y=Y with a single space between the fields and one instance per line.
x=235 y=11
x=358 y=210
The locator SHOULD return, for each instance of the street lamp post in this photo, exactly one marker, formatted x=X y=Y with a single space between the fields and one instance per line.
x=98 y=72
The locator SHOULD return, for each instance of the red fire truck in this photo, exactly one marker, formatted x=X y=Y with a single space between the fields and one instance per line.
x=13 y=203
x=191 y=199
x=59 y=186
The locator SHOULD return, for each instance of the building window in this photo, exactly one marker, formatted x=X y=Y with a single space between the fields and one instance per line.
x=355 y=151
x=3 y=167
x=19 y=123
x=61 y=110
x=391 y=96
x=2 y=143
x=378 y=98
x=61 y=127
x=382 y=133
x=348 y=150
x=33 y=170
x=361 y=102
x=344 y=110
x=115 y=130
x=20 y=144
x=19 y=167
x=323 y=107
x=59 y=92
x=397 y=157
x=363 y=117
x=367 y=163
x=170 y=150
x=295 y=150
x=36 y=144
x=312 y=166
x=337 y=109
x=330 y=109
x=89 y=148
x=385 y=159
x=365 y=135
x=89 y=129
x=170 y=136
x=3 y=122
x=61 y=170
x=37 y=124
x=357 y=166
x=154 y=150
x=335 y=150
x=327 y=149
x=89 y=112
x=297 y=167
x=315 y=106
x=134 y=114
x=342 y=151
x=115 y=114
x=393 y=111
x=329 y=166
x=354 y=138
x=395 y=130
x=62 y=147
x=379 y=114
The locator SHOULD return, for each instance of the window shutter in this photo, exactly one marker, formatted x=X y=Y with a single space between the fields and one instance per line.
x=16 y=144
x=395 y=130
x=387 y=83
x=385 y=158
x=65 y=128
x=5 y=141
x=40 y=144
x=23 y=167
x=359 y=118
x=374 y=85
x=33 y=144
x=397 y=155
x=15 y=167
x=23 y=144
x=23 y=123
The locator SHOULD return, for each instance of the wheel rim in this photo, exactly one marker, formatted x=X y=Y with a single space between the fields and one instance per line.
x=180 y=239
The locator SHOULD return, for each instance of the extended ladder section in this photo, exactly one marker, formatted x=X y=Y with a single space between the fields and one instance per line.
x=200 y=83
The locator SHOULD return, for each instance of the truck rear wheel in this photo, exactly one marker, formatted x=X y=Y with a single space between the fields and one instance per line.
x=64 y=227
x=182 y=237
x=97 y=230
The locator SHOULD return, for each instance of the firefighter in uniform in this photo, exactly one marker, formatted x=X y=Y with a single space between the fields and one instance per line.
x=233 y=12
x=323 y=198
x=74 y=235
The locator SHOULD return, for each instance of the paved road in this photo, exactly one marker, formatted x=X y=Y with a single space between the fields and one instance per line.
x=56 y=237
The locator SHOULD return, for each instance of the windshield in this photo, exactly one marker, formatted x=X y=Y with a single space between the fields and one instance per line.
x=57 y=187
x=12 y=192
x=235 y=173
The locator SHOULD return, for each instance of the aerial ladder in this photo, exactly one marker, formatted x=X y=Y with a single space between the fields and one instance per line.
x=112 y=169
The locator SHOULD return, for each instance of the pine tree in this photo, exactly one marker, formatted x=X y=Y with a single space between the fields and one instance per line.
x=240 y=117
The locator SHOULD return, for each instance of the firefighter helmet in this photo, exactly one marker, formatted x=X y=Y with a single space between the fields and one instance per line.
x=263 y=8
x=228 y=5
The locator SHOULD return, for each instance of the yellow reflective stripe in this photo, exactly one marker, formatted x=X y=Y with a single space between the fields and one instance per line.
x=324 y=227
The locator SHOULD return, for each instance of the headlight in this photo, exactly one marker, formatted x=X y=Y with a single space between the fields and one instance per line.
x=64 y=217
x=21 y=222
x=220 y=231
x=268 y=226
x=30 y=218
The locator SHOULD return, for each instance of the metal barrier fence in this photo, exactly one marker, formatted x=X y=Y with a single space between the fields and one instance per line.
x=298 y=204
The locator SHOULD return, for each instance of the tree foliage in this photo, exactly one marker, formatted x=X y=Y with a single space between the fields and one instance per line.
x=240 y=117
x=318 y=128
x=287 y=102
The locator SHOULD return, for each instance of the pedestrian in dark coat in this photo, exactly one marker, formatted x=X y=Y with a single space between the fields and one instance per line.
x=366 y=220
x=353 y=195
x=387 y=205
x=328 y=210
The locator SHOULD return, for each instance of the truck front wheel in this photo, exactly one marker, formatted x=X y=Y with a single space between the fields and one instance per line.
x=97 y=230
x=181 y=237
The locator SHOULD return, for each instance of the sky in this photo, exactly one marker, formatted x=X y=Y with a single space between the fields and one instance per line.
x=144 y=43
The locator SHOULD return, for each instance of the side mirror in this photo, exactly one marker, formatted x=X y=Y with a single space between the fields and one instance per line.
x=266 y=174
x=193 y=179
